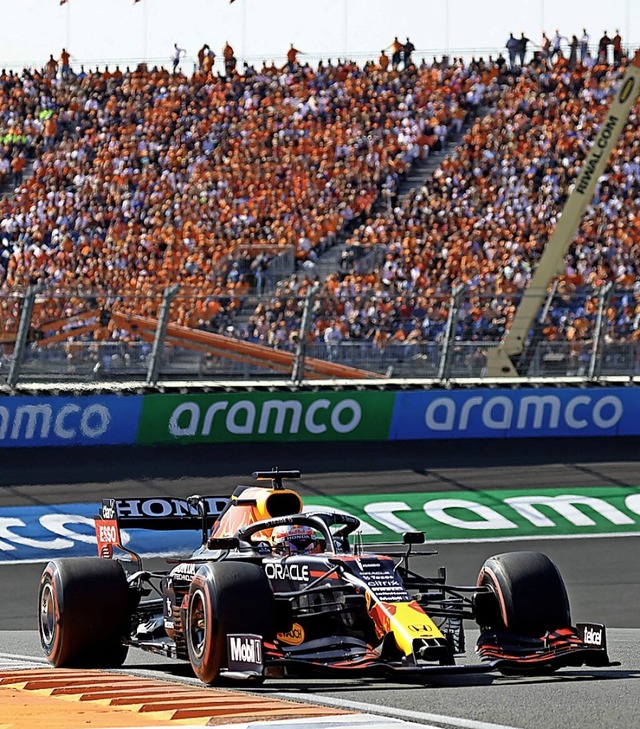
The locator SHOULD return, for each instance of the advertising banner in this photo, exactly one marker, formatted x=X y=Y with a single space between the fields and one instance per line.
x=496 y=515
x=68 y=421
x=265 y=416
x=522 y=413
x=36 y=533
x=318 y=416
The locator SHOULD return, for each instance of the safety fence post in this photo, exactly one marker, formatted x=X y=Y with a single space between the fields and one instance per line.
x=153 y=369
x=595 y=362
x=23 y=333
x=450 y=331
x=297 y=374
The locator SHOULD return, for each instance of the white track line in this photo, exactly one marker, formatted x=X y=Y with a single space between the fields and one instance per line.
x=15 y=660
x=393 y=712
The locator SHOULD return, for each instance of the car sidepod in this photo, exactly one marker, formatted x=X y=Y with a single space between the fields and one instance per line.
x=348 y=610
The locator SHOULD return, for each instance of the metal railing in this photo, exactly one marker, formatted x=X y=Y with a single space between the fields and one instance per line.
x=70 y=336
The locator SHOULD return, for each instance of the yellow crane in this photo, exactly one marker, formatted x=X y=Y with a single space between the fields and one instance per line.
x=502 y=361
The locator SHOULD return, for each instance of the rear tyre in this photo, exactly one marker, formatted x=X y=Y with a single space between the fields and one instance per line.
x=225 y=597
x=83 y=612
x=530 y=597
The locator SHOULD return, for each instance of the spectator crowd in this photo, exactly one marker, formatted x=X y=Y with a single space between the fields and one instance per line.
x=145 y=178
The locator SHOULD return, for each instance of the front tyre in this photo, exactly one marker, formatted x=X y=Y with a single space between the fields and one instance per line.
x=83 y=612
x=528 y=594
x=225 y=597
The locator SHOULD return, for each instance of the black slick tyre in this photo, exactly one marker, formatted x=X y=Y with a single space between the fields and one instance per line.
x=225 y=597
x=530 y=595
x=83 y=612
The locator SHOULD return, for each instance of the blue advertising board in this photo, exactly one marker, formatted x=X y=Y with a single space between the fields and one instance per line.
x=416 y=415
x=37 y=533
x=522 y=413
x=69 y=421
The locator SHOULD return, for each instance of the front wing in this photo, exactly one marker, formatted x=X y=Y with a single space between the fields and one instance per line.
x=501 y=651
x=340 y=655
x=585 y=645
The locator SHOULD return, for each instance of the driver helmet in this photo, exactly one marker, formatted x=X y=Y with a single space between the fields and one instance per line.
x=294 y=539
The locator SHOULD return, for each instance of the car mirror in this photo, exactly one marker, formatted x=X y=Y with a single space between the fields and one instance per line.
x=413 y=538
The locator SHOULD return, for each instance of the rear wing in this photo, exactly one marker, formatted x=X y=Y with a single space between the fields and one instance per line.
x=163 y=513
x=160 y=514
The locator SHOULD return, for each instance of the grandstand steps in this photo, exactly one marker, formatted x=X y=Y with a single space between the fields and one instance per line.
x=249 y=304
x=420 y=171
x=329 y=262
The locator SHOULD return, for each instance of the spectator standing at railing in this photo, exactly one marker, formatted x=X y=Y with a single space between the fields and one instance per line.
x=332 y=338
x=383 y=60
x=523 y=41
x=556 y=45
x=396 y=52
x=512 y=46
x=603 y=48
x=407 y=51
x=616 y=42
x=176 y=56
x=230 y=61
x=584 y=44
x=52 y=67
x=545 y=48
x=573 y=51
x=65 y=63
x=202 y=54
x=292 y=58
x=208 y=62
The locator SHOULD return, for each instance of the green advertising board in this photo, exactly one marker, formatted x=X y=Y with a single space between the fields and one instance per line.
x=265 y=417
x=493 y=515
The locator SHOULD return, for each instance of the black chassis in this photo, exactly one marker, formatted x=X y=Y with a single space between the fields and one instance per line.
x=325 y=595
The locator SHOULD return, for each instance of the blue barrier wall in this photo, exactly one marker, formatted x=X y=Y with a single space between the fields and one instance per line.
x=506 y=413
x=69 y=421
x=413 y=415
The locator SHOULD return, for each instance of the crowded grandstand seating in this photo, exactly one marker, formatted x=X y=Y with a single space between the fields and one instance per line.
x=484 y=217
x=143 y=179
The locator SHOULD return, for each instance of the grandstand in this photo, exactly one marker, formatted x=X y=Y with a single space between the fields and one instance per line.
x=236 y=188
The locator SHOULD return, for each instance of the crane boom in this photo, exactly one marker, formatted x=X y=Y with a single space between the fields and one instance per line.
x=500 y=359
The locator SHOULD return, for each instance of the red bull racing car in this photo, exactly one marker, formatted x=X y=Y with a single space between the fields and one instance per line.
x=274 y=590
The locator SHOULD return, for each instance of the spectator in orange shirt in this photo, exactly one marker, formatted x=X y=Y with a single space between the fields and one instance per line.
x=18 y=164
x=207 y=62
x=396 y=52
x=51 y=67
x=65 y=63
x=202 y=54
x=50 y=131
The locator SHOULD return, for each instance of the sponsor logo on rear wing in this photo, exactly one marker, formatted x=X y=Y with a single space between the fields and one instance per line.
x=162 y=513
x=107 y=537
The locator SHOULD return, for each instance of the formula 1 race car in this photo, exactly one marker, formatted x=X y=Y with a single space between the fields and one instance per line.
x=277 y=591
